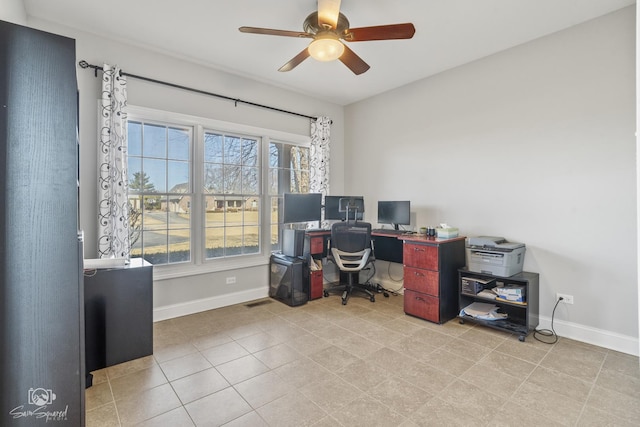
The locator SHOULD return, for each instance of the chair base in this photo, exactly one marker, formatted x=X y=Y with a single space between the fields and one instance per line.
x=349 y=287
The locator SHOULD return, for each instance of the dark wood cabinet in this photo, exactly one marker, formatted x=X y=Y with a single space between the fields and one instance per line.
x=118 y=314
x=41 y=328
x=431 y=277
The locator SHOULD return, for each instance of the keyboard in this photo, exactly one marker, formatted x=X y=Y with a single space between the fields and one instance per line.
x=390 y=231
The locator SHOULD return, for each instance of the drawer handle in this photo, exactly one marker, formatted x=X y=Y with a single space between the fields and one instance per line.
x=418 y=249
x=419 y=299
x=418 y=274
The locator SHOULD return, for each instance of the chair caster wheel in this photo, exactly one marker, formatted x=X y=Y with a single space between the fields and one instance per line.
x=325 y=294
x=372 y=299
x=344 y=302
x=386 y=294
x=521 y=338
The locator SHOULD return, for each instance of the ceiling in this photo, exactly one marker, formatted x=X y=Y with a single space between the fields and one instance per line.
x=449 y=33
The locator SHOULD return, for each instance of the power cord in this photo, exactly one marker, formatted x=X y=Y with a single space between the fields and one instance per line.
x=390 y=276
x=547 y=332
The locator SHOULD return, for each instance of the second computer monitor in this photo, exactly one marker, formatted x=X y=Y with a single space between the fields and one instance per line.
x=301 y=207
x=332 y=208
x=394 y=212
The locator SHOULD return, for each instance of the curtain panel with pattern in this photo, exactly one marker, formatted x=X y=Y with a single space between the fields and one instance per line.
x=113 y=205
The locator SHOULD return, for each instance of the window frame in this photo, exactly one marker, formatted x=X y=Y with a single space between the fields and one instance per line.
x=198 y=263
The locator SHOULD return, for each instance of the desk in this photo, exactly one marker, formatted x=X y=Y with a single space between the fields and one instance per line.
x=430 y=269
x=388 y=246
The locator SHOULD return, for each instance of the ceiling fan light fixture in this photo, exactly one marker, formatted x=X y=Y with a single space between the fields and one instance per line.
x=326 y=48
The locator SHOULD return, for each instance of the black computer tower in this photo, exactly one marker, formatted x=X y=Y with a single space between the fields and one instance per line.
x=289 y=280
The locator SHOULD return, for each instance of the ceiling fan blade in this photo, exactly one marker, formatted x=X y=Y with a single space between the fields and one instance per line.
x=272 y=32
x=295 y=61
x=353 y=61
x=328 y=11
x=380 y=32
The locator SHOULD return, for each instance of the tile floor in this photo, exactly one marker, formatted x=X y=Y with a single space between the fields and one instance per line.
x=363 y=364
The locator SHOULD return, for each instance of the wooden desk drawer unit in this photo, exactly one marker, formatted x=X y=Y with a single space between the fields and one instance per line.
x=431 y=277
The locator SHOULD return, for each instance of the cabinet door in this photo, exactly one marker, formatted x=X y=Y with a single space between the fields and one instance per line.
x=421 y=256
x=422 y=305
x=420 y=280
x=316 y=245
x=315 y=285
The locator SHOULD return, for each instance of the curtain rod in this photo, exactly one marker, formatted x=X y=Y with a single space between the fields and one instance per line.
x=85 y=64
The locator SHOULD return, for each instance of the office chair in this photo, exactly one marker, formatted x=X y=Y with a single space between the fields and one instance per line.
x=350 y=248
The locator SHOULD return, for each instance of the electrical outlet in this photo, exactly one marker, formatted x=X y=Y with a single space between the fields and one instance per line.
x=231 y=280
x=567 y=299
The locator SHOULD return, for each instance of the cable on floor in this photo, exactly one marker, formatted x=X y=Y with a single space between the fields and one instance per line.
x=391 y=277
x=547 y=332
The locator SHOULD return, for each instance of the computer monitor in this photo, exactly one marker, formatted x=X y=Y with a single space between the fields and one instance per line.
x=394 y=212
x=332 y=208
x=302 y=207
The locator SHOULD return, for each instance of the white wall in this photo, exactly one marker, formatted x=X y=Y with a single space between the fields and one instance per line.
x=13 y=11
x=178 y=296
x=535 y=144
x=637 y=155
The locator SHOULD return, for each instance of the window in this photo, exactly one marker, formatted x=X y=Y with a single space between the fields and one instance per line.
x=231 y=195
x=288 y=173
x=160 y=191
x=199 y=189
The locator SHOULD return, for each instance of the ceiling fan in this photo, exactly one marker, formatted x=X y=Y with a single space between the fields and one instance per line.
x=327 y=27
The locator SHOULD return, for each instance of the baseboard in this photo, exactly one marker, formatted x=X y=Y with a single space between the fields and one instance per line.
x=587 y=334
x=204 y=304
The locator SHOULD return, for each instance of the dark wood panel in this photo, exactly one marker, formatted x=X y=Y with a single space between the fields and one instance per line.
x=422 y=305
x=420 y=280
x=421 y=256
x=40 y=261
x=315 y=284
x=317 y=245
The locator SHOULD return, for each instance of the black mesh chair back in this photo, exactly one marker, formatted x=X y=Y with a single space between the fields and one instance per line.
x=350 y=236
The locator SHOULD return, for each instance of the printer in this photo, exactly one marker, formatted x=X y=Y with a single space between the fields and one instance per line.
x=494 y=255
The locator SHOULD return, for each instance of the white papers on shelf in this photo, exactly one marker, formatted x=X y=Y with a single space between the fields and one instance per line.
x=483 y=310
x=314 y=264
x=487 y=293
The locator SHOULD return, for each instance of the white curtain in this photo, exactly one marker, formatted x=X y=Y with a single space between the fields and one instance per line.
x=113 y=206
x=320 y=155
